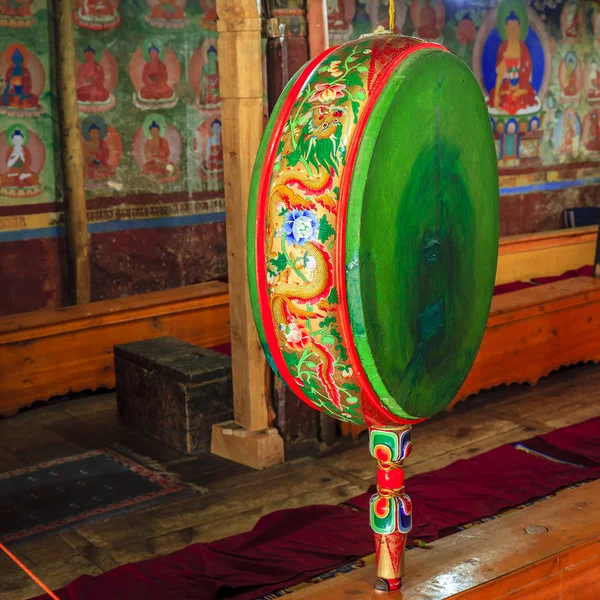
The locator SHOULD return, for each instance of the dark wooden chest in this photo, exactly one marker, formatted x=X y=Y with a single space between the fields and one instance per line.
x=173 y=391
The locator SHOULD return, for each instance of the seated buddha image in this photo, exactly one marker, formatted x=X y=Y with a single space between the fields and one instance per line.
x=570 y=21
x=513 y=91
x=94 y=83
x=209 y=150
x=102 y=150
x=158 y=157
x=97 y=15
x=340 y=14
x=429 y=18
x=204 y=76
x=16 y=13
x=570 y=78
x=570 y=131
x=23 y=82
x=169 y=14
x=593 y=81
x=18 y=176
x=591 y=131
x=209 y=19
x=154 y=81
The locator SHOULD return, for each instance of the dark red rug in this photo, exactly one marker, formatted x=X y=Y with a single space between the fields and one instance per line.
x=291 y=546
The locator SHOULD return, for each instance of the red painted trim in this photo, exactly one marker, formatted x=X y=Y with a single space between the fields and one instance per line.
x=31 y=209
x=262 y=207
x=112 y=201
x=344 y=317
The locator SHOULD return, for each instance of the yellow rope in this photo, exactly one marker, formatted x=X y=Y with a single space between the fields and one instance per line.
x=392 y=16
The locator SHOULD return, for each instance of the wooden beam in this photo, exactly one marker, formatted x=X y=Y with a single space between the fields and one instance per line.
x=72 y=155
x=548 y=551
x=53 y=352
x=241 y=85
x=318 y=30
x=522 y=257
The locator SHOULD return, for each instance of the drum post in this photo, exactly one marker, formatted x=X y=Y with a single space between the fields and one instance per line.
x=390 y=507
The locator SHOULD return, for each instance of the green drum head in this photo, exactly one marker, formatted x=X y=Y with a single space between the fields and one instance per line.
x=422 y=234
x=373 y=230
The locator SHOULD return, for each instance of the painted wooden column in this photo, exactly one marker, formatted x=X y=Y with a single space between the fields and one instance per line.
x=248 y=440
x=597 y=260
x=318 y=30
x=72 y=155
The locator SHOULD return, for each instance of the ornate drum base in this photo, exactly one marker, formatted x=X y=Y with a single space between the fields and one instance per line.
x=390 y=507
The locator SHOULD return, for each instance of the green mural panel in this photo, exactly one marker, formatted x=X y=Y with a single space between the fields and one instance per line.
x=148 y=95
x=29 y=142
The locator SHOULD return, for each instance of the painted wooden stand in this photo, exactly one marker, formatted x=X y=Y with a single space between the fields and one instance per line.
x=390 y=507
x=372 y=246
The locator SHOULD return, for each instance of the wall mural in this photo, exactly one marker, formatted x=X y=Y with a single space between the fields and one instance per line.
x=157 y=90
x=28 y=135
x=537 y=62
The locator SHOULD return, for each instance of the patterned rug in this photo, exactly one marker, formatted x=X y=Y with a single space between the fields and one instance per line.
x=56 y=494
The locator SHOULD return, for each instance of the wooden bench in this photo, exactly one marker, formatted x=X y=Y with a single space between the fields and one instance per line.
x=535 y=331
x=54 y=352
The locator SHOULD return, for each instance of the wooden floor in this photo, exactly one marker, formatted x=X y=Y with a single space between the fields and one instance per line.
x=72 y=426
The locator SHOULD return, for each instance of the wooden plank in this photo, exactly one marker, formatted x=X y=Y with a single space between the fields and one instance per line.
x=15 y=584
x=437 y=437
x=110 y=312
x=242 y=116
x=86 y=336
x=287 y=490
x=32 y=444
x=499 y=558
x=523 y=257
x=72 y=154
x=552 y=326
x=318 y=30
x=220 y=528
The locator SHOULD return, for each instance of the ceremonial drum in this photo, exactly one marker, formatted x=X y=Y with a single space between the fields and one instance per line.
x=372 y=246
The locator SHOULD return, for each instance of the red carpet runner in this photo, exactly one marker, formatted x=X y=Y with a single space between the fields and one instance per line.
x=291 y=546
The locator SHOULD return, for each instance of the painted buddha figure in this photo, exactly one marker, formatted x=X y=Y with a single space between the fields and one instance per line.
x=214 y=148
x=571 y=19
x=18 y=161
x=170 y=10
x=513 y=90
x=593 y=77
x=569 y=133
x=96 y=155
x=210 y=79
x=591 y=132
x=428 y=27
x=209 y=18
x=570 y=87
x=90 y=79
x=155 y=78
x=97 y=14
x=156 y=156
x=18 y=84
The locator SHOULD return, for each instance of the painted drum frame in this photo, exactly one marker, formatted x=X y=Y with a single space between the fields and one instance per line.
x=300 y=292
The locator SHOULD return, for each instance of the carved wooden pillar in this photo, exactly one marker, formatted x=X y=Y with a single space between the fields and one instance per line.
x=248 y=440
